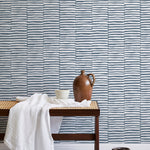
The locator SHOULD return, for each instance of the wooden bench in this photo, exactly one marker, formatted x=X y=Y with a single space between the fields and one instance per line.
x=93 y=110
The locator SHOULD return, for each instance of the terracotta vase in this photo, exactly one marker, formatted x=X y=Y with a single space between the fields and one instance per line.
x=82 y=86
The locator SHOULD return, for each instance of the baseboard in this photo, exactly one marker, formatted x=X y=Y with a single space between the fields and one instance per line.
x=85 y=146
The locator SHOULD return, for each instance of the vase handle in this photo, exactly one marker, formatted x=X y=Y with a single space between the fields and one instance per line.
x=93 y=76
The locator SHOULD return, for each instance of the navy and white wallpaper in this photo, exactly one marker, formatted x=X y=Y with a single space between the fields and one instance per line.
x=45 y=43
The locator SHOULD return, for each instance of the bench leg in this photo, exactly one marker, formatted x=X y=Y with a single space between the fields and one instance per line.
x=97 y=133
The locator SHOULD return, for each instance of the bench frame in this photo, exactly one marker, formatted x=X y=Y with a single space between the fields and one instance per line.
x=71 y=111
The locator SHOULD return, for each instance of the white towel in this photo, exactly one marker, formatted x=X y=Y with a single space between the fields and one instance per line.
x=68 y=102
x=28 y=126
x=55 y=121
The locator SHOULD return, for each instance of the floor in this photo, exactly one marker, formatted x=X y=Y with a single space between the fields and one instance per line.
x=65 y=146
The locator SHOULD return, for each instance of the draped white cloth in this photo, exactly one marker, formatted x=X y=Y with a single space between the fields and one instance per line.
x=29 y=126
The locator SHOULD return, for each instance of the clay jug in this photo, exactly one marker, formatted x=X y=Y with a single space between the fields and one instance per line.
x=82 y=86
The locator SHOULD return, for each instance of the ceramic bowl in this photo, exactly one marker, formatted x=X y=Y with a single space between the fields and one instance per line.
x=62 y=94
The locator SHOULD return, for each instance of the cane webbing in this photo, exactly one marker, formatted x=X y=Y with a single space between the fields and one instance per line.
x=5 y=105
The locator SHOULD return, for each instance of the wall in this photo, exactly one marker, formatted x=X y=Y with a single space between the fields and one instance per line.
x=45 y=43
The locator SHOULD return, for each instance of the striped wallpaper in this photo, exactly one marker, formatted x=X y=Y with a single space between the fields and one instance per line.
x=45 y=43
